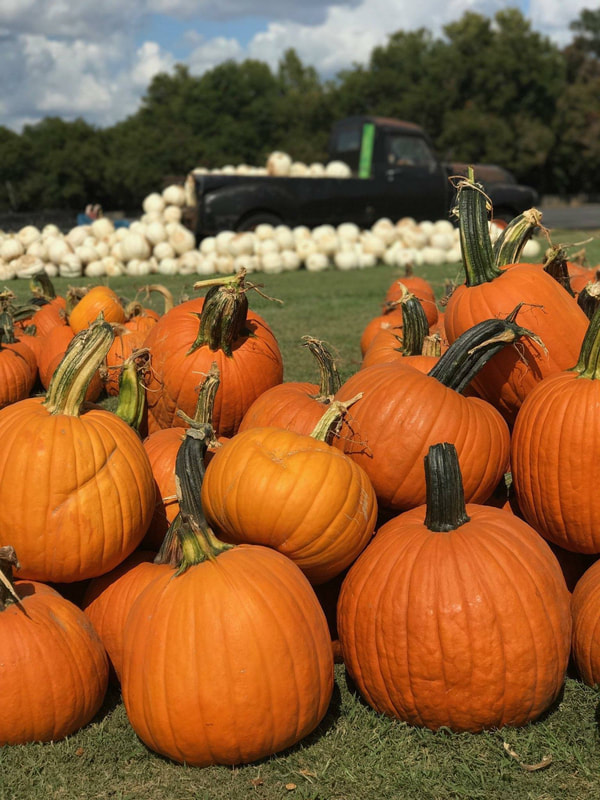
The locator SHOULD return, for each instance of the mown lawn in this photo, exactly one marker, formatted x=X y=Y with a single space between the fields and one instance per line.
x=355 y=754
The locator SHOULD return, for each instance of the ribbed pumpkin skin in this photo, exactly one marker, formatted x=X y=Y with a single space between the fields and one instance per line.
x=53 y=667
x=288 y=491
x=76 y=493
x=555 y=464
x=161 y=448
x=385 y=348
x=469 y=629
x=401 y=414
x=585 y=607
x=18 y=371
x=254 y=367
x=291 y=405
x=384 y=322
x=108 y=600
x=100 y=299
x=229 y=662
x=550 y=312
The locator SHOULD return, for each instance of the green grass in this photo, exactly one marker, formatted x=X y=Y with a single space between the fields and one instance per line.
x=355 y=754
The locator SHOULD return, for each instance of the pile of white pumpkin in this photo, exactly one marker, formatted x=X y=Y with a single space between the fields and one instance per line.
x=280 y=164
x=159 y=243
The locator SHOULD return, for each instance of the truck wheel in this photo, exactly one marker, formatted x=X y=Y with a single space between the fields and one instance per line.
x=250 y=222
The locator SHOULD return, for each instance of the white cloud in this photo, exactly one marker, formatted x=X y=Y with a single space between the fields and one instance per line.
x=90 y=59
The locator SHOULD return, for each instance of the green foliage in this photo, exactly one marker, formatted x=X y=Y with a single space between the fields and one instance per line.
x=489 y=89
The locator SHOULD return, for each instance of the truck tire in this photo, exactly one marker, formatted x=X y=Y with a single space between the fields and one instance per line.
x=250 y=222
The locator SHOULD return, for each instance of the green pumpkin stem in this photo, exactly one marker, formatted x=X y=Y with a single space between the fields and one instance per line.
x=132 y=390
x=475 y=240
x=197 y=540
x=41 y=285
x=470 y=352
x=588 y=365
x=509 y=245
x=588 y=298
x=8 y=562
x=414 y=325
x=556 y=266
x=446 y=510
x=86 y=352
x=330 y=380
x=224 y=314
x=7 y=329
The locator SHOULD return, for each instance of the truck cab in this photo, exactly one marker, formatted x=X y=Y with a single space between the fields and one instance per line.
x=399 y=158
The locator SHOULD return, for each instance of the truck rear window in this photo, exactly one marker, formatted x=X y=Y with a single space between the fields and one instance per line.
x=408 y=151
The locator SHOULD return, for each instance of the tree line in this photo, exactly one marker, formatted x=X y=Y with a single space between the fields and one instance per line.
x=489 y=90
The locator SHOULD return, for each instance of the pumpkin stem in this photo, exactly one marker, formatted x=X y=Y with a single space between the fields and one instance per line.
x=329 y=425
x=556 y=266
x=588 y=365
x=7 y=329
x=197 y=540
x=588 y=298
x=476 y=243
x=132 y=391
x=162 y=290
x=40 y=285
x=85 y=353
x=223 y=317
x=432 y=345
x=74 y=295
x=8 y=562
x=414 y=325
x=473 y=349
x=509 y=245
x=330 y=378
x=446 y=510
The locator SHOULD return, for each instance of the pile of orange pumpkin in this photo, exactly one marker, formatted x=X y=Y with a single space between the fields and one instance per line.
x=232 y=535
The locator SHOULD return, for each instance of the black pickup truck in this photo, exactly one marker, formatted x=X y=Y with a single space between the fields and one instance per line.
x=395 y=173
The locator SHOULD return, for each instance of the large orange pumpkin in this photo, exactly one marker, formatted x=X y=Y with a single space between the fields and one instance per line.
x=186 y=341
x=548 y=311
x=244 y=635
x=294 y=493
x=454 y=616
x=76 y=488
x=554 y=452
x=53 y=666
x=403 y=411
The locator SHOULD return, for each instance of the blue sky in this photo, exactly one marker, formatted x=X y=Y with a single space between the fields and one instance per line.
x=95 y=58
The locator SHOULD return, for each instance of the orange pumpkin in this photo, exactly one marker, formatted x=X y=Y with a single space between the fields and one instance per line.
x=252 y=678
x=547 y=310
x=456 y=616
x=403 y=411
x=99 y=300
x=554 y=452
x=296 y=405
x=82 y=475
x=53 y=665
x=294 y=493
x=186 y=341
x=108 y=600
x=585 y=608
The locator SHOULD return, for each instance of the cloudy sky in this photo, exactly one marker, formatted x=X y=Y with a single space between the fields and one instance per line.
x=95 y=58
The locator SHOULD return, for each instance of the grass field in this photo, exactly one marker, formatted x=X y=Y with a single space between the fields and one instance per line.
x=355 y=754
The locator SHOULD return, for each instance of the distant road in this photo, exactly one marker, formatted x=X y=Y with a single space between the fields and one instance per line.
x=578 y=217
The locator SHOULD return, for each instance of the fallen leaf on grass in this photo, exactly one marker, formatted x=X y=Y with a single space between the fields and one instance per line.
x=256 y=782
x=290 y=787
x=545 y=762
